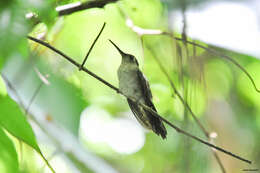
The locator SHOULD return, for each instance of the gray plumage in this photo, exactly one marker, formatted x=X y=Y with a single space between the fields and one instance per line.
x=133 y=83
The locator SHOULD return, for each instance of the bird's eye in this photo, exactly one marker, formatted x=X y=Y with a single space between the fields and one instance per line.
x=132 y=58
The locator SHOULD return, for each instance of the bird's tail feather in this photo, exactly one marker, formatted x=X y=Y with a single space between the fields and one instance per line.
x=158 y=127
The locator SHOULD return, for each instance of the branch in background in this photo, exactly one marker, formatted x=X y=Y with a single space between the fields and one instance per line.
x=70 y=8
x=250 y=170
x=78 y=6
x=186 y=105
x=43 y=81
x=184 y=19
x=141 y=104
x=219 y=54
x=185 y=85
x=141 y=32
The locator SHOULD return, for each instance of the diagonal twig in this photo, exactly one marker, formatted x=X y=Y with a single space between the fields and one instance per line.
x=73 y=62
x=91 y=47
x=37 y=90
x=141 y=104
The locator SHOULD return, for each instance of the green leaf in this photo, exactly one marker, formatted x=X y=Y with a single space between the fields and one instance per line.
x=8 y=155
x=13 y=120
x=2 y=87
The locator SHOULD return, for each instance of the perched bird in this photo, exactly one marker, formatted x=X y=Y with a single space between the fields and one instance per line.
x=133 y=83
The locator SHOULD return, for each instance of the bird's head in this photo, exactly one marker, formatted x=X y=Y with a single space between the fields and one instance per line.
x=126 y=58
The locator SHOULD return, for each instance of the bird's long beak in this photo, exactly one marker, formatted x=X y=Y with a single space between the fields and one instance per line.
x=119 y=50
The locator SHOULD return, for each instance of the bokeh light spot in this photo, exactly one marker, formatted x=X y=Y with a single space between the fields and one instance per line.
x=122 y=134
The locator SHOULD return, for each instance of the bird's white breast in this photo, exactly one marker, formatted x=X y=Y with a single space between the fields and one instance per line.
x=129 y=82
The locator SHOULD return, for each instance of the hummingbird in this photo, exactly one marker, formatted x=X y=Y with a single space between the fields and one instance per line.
x=132 y=82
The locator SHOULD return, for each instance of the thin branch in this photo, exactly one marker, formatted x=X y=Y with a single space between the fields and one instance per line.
x=140 y=31
x=250 y=170
x=37 y=90
x=43 y=78
x=184 y=19
x=179 y=95
x=8 y=83
x=216 y=53
x=141 y=104
x=73 y=62
x=219 y=161
x=185 y=86
x=78 y=6
x=35 y=93
x=206 y=133
x=91 y=47
x=71 y=8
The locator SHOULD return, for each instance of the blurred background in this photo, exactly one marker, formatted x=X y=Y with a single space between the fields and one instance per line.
x=81 y=125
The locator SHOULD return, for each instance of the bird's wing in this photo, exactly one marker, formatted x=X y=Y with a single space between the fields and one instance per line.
x=146 y=89
x=139 y=115
x=156 y=123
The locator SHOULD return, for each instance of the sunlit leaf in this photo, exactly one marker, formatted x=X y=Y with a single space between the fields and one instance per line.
x=8 y=155
x=13 y=120
x=2 y=87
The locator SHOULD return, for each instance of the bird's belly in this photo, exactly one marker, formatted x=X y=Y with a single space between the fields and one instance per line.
x=129 y=84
